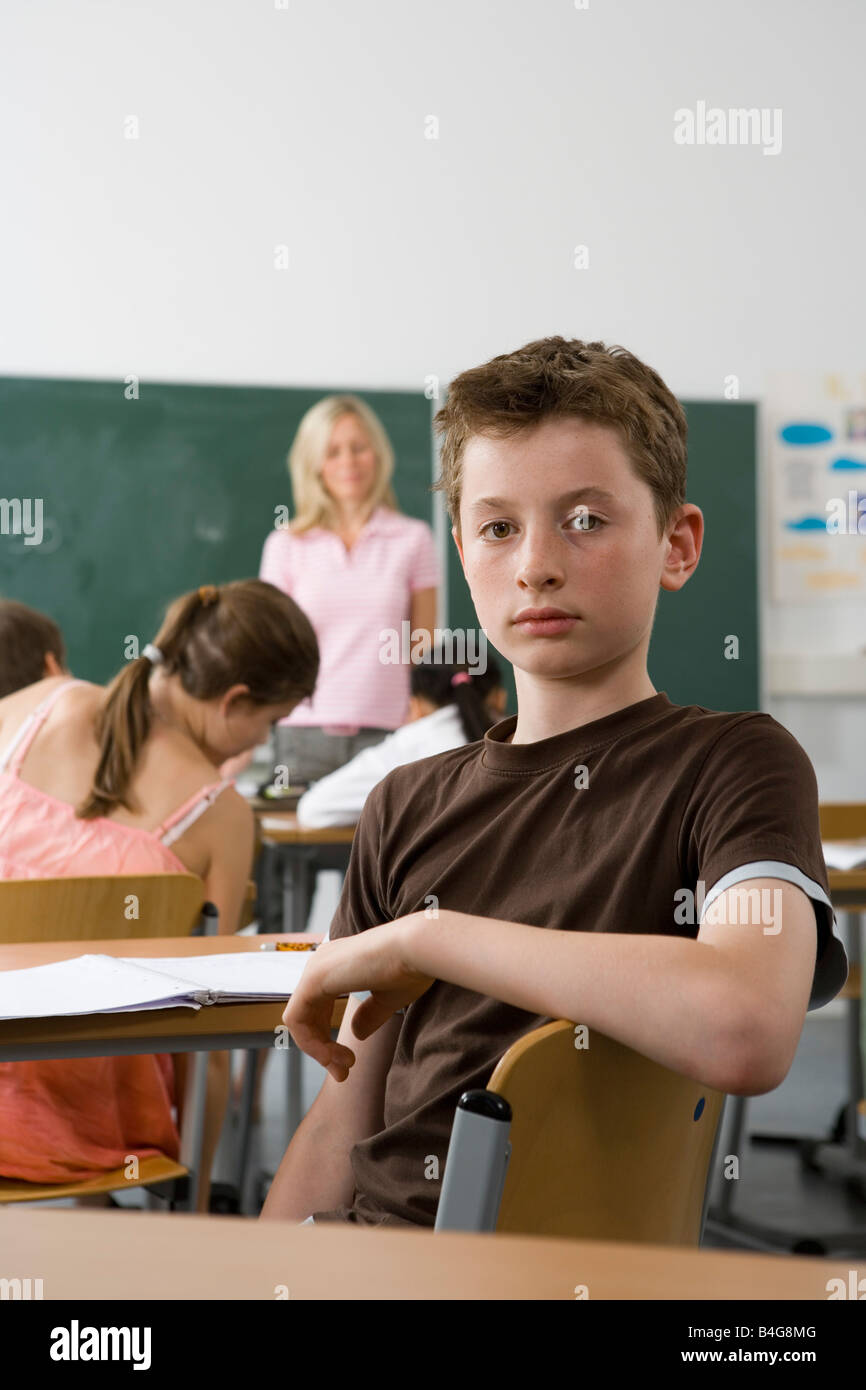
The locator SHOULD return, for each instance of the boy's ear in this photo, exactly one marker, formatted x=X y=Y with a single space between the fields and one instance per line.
x=685 y=542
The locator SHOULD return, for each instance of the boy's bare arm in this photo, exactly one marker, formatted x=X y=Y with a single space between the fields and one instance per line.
x=315 y=1174
x=726 y=1009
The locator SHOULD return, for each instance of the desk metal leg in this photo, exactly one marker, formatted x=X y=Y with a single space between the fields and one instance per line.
x=192 y=1132
x=294 y=1110
x=299 y=879
x=270 y=888
x=289 y=886
x=734 y=1146
x=304 y=897
x=245 y=1121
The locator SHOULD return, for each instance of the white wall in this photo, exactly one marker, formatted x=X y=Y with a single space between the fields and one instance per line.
x=305 y=126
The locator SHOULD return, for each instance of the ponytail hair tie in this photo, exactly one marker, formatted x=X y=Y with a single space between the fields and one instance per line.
x=208 y=593
x=153 y=654
x=460 y=678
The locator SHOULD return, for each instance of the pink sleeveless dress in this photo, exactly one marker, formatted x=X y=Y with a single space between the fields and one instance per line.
x=72 y=1119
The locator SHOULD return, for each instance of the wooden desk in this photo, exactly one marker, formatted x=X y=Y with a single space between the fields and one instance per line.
x=289 y=832
x=302 y=853
x=213 y=1028
x=142 y=1255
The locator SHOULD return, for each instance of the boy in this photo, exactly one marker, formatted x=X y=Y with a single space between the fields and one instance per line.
x=604 y=856
x=31 y=647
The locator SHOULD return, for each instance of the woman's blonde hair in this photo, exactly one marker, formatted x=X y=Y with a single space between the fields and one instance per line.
x=313 y=504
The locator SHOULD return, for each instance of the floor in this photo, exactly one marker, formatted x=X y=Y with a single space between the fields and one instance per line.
x=772 y=1187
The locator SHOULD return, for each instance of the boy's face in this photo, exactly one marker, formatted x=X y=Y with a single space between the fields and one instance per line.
x=570 y=526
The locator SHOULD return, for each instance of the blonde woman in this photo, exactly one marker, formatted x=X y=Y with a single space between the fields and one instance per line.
x=355 y=564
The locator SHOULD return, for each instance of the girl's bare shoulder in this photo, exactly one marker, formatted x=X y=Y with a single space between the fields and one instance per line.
x=17 y=706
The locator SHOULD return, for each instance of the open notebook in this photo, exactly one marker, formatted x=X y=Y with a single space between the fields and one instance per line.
x=96 y=984
x=845 y=854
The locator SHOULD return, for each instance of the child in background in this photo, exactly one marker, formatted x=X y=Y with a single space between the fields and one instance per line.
x=450 y=705
x=124 y=780
x=31 y=647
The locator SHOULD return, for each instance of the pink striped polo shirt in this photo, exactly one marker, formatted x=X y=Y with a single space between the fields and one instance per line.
x=350 y=597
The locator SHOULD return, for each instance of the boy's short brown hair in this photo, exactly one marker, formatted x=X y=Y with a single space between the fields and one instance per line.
x=25 y=638
x=562 y=377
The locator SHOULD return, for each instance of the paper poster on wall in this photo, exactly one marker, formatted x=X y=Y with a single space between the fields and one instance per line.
x=816 y=441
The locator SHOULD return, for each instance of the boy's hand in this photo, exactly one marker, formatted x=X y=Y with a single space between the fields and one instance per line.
x=376 y=960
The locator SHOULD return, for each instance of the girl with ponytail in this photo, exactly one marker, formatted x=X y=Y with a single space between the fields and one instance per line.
x=122 y=780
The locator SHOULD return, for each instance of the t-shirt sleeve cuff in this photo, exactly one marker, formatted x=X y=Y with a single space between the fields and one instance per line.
x=831 y=967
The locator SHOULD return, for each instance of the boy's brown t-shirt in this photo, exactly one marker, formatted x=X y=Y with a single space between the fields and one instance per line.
x=609 y=827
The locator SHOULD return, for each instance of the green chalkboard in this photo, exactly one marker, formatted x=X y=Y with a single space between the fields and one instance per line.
x=687 y=651
x=145 y=499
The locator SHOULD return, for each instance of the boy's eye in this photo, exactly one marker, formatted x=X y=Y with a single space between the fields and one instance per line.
x=583 y=519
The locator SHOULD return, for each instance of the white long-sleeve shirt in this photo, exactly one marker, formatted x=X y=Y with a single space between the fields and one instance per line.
x=338 y=798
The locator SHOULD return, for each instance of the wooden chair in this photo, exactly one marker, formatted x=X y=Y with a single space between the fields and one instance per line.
x=598 y=1143
x=103 y=908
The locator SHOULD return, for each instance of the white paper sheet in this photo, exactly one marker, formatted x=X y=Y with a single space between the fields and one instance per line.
x=262 y=974
x=91 y=984
x=85 y=985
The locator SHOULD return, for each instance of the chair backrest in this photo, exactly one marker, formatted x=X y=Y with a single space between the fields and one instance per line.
x=842 y=820
x=606 y=1144
x=103 y=907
